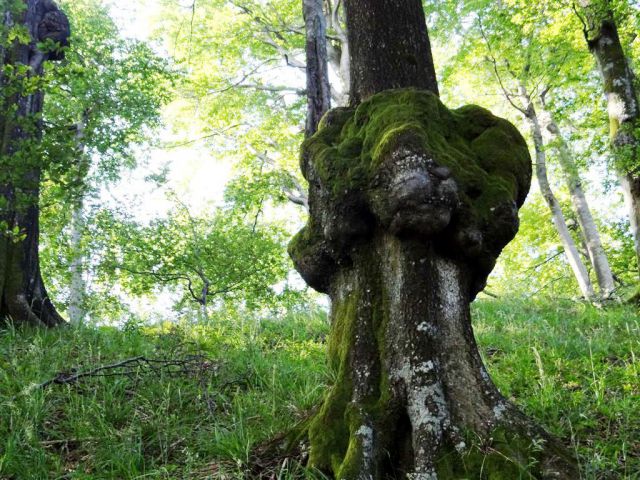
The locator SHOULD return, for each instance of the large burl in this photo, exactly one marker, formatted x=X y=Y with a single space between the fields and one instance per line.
x=405 y=164
x=410 y=206
x=49 y=29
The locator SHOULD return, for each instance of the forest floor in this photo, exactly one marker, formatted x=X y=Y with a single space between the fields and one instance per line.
x=193 y=401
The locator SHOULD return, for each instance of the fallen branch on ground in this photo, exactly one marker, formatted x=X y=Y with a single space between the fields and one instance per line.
x=131 y=367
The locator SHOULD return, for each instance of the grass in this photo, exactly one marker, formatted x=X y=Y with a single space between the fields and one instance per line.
x=571 y=366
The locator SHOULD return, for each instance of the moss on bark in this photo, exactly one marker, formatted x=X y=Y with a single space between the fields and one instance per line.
x=410 y=206
x=486 y=154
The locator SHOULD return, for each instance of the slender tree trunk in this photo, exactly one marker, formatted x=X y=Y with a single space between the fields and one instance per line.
x=23 y=297
x=318 y=89
x=338 y=53
x=402 y=238
x=570 y=249
x=78 y=285
x=602 y=37
x=593 y=244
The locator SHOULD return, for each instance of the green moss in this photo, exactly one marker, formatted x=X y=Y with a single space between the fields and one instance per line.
x=626 y=141
x=335 y=447
x=304 y=241
x=487 y=156
x=329 y=432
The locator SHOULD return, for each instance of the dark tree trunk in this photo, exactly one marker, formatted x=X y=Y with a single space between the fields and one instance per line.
x=23 y=297
x=389 y=48
x=602 y=37
x=318 y=89
x=410 y=205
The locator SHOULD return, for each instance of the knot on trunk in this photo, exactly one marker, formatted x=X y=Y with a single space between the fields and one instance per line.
x=403 y=163
x=53 y=30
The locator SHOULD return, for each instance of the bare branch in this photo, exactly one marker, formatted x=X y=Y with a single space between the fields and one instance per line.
x=130 y=367
x=216 y=133
x=494 y=62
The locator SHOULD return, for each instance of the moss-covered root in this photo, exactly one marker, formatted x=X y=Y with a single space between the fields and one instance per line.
x=412 y=398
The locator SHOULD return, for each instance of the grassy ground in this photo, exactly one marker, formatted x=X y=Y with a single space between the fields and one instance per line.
x=571 y=366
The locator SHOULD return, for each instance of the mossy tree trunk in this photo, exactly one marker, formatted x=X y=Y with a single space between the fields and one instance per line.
x=23 y=296
x=601 y=33
x=410 y=205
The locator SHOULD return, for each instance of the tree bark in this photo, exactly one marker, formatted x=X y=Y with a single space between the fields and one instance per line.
x=389 y=48
x=77 y=295
x=410 y=206
x=318 y=89
x=593 y=244
x=78 y=285
x=23 y=296
x=338 y=50
x=570 y=249
x=601 y=33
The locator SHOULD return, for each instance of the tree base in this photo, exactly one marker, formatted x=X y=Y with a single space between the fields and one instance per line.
x=412 y=398
x=410 y=205
x=40 y=312
x=23 y=296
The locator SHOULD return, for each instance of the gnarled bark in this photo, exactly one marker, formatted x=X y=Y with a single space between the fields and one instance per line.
x=410 y=206
x=23 y=296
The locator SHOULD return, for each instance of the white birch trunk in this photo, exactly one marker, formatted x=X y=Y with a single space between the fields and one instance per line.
x=78 y=286
x=593 y=243
x=570 y=249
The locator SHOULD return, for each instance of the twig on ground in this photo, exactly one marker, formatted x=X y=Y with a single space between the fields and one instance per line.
x=131 y=367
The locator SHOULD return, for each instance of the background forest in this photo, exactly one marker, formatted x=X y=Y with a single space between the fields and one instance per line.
x=171 y=189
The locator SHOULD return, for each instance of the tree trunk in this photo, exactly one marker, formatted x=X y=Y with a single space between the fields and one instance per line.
x=602 y=38
x=570 y=249
x=593 y=244
x=410 y=206
x=389 y=48
x=318 y=89
x=23 y=297
x=338 y=50
x=78 y=286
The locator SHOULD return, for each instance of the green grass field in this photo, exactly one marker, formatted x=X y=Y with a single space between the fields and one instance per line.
x=571 y=366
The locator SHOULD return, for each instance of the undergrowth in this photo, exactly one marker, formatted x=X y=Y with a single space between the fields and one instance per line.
x=571 y=366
